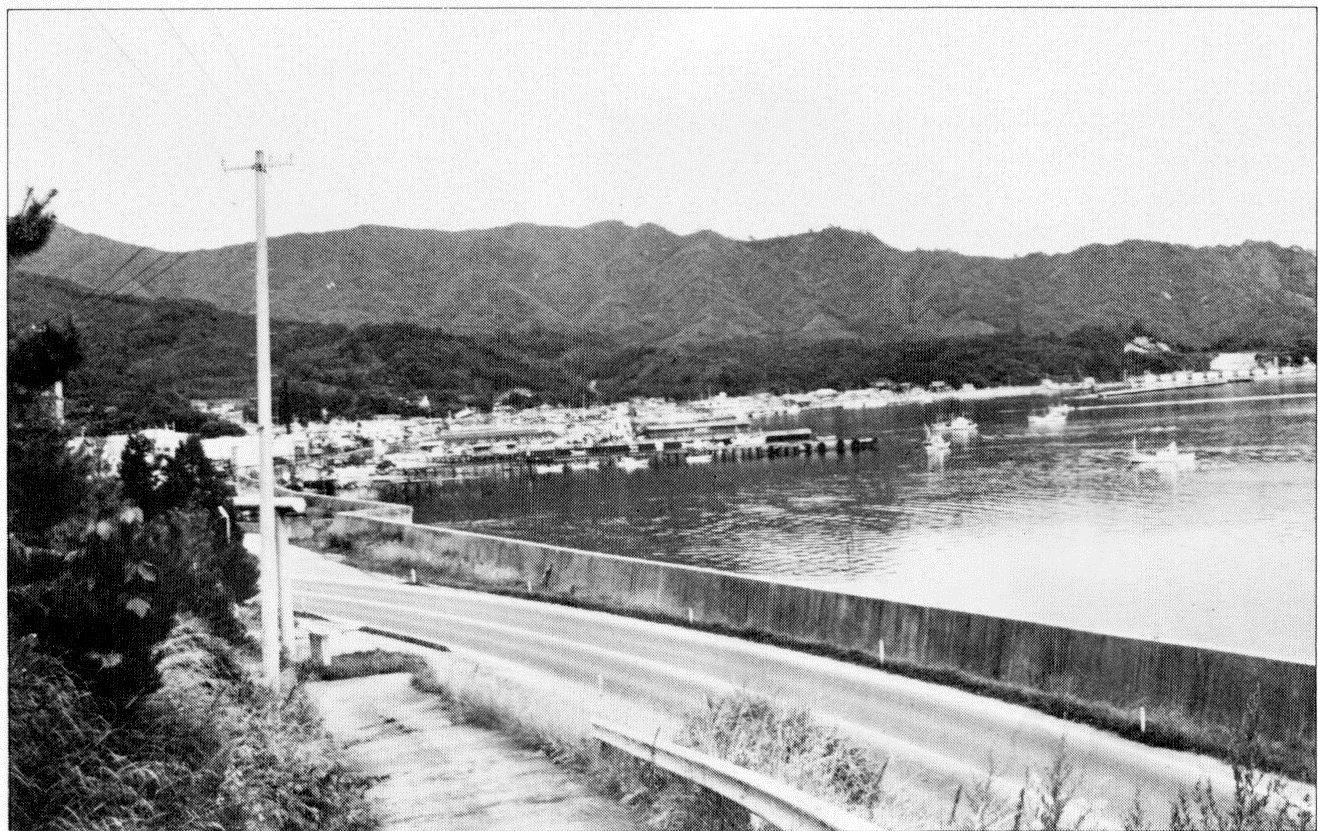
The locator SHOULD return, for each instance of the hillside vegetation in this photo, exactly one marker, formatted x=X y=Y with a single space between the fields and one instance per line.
x=648 y=286
x=144 y=359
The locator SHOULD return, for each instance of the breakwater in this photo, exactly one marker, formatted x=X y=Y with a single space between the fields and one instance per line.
x=1170 y=681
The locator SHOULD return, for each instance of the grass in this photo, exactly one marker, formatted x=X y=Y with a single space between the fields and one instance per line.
x=1164 y=727
x=209 y=750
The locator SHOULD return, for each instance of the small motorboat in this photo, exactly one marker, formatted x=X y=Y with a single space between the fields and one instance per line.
x=1055 y=417
x=632 y=462
x=547 y=467
x=1168 y=457
x=583 y=464
x=935 y=443
x=960 y=424
x=699 y=458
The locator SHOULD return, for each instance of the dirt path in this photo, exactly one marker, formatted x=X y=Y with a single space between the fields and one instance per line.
x=455 y=777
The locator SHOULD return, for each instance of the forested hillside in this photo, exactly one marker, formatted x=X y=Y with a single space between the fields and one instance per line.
x=144 y=359
x=646 y=286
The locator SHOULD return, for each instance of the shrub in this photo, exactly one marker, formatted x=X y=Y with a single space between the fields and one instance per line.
x=103 y=604
x=209 y=750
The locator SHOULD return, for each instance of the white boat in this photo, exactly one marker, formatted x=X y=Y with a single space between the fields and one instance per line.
x=547 y=467
x=1168 y=457
x=699 y=458
x=960 y=424
x=632 y=462
x=1055 y=417
x=935 y=443
x=583 y=464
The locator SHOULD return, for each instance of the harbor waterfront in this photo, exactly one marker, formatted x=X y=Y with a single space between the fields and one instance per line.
x=1043 y=524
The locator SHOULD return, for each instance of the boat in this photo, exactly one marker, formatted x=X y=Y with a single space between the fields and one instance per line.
x=699 y=458
x=547 y=467
x=583 y=464
x=1055 y=417
x=1168 y=457
x=960 y=424
x=935 y=443
x=632 y=462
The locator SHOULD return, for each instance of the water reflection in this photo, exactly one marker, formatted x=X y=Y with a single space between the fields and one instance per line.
x=1050 y=525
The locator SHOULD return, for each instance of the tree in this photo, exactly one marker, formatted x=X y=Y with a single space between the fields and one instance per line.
x=30 y=227
x=190 y=481
x=38 y=359
x=45 y=482
x=139 y=474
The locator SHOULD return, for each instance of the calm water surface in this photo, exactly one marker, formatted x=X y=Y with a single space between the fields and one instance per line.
x=1051 y=526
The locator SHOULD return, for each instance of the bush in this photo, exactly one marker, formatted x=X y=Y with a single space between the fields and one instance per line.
x=105 y=602
x=209 y=750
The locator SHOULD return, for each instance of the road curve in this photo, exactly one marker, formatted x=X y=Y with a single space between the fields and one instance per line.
x=939 y=736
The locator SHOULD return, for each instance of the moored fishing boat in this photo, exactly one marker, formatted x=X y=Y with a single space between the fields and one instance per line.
x=935 y=443
x=632 y=462
x=960 y=424
x=1055 y=417
x=1169 y=457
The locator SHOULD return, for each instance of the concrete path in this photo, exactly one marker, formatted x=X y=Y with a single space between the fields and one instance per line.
x=441 y=775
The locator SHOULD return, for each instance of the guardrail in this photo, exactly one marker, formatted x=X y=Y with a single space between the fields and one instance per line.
x=780 y=805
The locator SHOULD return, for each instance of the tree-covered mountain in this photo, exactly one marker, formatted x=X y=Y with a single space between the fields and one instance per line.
x=646 y=286
x=143 y=360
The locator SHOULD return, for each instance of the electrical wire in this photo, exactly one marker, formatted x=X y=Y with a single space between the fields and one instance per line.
x=96 y=289
x=250 y=86
x=202 y=69
x=133 y=278
x=153 y=87
x=99 y=300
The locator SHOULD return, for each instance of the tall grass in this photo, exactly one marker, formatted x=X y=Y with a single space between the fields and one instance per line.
x=209 y=750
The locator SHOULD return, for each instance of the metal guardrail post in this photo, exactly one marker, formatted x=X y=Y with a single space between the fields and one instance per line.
x=781 y=805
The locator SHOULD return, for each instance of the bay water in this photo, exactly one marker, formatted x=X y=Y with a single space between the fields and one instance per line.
x=1047 y=525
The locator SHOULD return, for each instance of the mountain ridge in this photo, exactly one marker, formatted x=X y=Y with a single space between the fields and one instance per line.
x=648 y=285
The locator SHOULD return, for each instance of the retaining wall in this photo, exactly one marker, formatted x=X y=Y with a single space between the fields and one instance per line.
x=1204 y=684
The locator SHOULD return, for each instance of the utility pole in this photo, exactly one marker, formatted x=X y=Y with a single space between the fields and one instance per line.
x=270 y=566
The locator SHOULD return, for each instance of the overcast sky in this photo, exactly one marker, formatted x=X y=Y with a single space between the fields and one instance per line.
x=983 y=131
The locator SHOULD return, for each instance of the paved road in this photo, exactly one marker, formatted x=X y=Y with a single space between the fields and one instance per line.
x=939 y=737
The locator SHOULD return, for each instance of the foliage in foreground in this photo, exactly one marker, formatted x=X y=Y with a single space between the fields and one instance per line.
x=1257 y=801
x=209 y=750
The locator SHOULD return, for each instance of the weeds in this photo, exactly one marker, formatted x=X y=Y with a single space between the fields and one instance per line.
x=1257 y=802
x=209 y=750
x=788 y=745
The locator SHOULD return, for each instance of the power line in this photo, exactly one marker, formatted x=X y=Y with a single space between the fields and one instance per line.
x=250 y=86
x=154 y=88
x=137 y=324
x=208 y=77
x=99 y=299
x=103 y=283
x=105 y=299
x=132 y=278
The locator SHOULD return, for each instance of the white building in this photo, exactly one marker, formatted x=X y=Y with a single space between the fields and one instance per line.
x=1234 y=362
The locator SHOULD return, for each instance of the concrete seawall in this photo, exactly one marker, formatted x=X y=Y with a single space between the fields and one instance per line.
x=1202 y=684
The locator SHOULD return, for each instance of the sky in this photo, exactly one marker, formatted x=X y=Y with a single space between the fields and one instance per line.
x=986 y=131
